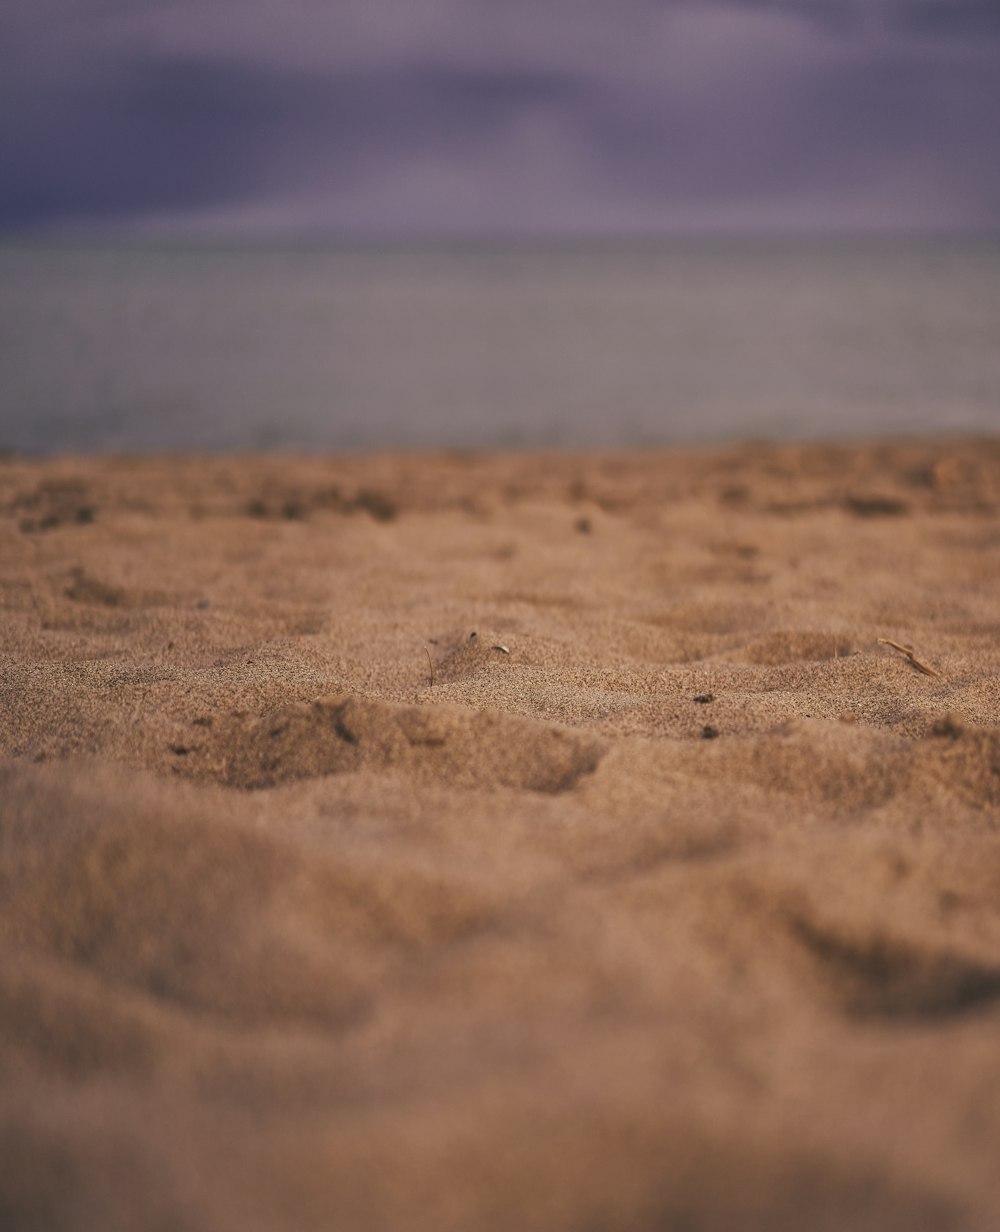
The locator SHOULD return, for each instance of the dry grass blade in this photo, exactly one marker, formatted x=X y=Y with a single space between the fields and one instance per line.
x=905 y=650
x=430 y=664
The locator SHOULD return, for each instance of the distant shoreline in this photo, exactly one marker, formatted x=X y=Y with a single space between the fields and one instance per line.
x=351 y=348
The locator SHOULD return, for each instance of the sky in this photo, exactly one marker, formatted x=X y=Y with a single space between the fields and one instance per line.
x=481 y=117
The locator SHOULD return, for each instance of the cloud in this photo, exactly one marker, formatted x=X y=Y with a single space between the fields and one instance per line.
x=952 y=18
x=934 y=18
x=171 y=133
x=468 y=114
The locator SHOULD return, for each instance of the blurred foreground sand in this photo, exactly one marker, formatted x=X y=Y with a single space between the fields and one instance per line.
x=681 y=913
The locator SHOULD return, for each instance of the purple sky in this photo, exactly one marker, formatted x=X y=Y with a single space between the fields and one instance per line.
x=482 y=116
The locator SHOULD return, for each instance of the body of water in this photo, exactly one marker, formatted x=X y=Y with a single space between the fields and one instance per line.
x=126 y=348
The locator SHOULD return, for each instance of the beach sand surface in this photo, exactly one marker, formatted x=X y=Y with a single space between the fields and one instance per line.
x=502 y=841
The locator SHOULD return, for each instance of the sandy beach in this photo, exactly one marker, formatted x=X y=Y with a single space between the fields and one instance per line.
x=502 y=841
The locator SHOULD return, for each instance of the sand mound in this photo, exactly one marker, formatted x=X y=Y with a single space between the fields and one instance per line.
x=844 y=764
x=102 y=893
x=880 y=976
x=793 y=646
x=344 y=734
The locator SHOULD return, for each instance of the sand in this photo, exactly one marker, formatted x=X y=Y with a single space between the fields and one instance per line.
x=490 y=841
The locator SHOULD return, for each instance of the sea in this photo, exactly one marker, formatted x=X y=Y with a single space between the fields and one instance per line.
x=346 y=347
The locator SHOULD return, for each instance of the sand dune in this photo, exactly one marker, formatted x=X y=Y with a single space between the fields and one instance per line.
x=502 y=842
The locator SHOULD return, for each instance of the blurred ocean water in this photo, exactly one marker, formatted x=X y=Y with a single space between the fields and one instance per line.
x=332 y=347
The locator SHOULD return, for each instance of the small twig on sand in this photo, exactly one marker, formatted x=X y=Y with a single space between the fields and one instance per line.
x=430 y=664
x=905 y=650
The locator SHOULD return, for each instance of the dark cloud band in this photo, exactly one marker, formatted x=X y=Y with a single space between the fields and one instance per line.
x=690 y=112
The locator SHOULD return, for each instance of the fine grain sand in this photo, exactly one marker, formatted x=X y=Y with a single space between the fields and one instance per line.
x=319 y=910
